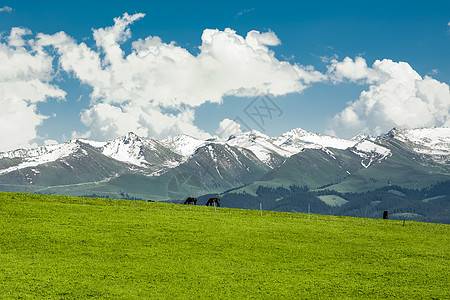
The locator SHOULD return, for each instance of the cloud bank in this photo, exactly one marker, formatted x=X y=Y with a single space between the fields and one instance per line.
x=397 y=97
x=24 y=82
x=154 y=89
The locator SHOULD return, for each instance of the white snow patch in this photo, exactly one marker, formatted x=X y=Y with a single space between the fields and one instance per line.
x=298 y=139
x=125 y=153
x=370 y=152
x=368 y=147
x=328 y=151
x=94 y=144
x=38 y=156
x=183 y=144
x=260 y=144
x=431 y=141
x=129 y=149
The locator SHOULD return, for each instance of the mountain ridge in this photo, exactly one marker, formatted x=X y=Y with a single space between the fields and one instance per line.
x=159 y=168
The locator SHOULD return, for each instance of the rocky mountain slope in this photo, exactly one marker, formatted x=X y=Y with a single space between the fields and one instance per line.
x=183 y=165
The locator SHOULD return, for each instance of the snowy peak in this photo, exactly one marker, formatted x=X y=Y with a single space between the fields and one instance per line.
x=437 y=139
x=130 y=138
x=286 y=145
x=260 y=144
x=125 y=151
x=37 y=156
x=149 y=154
x=55 y=150
x=298 y=139
x=183 y=144
x=431 y=142
x=360 y=137
x=129 y=149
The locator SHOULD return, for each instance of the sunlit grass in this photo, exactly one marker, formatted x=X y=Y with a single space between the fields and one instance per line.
x=56 y=247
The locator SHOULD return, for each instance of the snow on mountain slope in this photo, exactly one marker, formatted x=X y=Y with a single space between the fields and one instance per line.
x=432 y=141
x=370 y=152
x=297 y=139
x=260 y=144
x=360 y=137
x=128 y=148
x=171 y=152
x=183 y=144
x=94 y=144
x=368 y=147
x=37 y=156
x=142 y=152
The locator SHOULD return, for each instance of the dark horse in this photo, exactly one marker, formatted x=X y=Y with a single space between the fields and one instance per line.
x=190 y=200
x=211 y=201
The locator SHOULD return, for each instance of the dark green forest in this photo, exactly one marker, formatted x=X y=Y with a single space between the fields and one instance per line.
x=430 y=204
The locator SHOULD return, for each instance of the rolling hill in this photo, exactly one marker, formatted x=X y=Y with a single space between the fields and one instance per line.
x=61 y=247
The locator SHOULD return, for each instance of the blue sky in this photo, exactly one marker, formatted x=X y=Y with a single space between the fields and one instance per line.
x=347 y=98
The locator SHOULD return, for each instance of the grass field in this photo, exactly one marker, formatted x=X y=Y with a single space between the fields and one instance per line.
x=56 y=247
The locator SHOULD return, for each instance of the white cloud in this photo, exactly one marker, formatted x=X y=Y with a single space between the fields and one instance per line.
x=397 y=97
x=6 y=9
x=353 y=70
x=108 y=121
x=15 y=38
x=227 y=128
x=157 y=76
x=24 y=81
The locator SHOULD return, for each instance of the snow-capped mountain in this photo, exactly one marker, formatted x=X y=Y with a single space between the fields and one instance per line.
x=360 y=137
x=270 y=150
x=434 y=142
x=146 y=152
x=183 y=144
x=298 y=138
x=24 y=158
x=261 y=145
x=142 y=152
x=370 y=152
x=131 y=163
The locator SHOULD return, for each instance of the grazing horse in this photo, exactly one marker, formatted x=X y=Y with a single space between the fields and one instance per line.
x=211 y=201
x=190 y=200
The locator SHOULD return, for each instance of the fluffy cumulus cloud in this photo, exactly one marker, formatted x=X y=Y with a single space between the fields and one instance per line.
x=25 y=75
x=227 y=128
x=397 y=97
x=154 y=89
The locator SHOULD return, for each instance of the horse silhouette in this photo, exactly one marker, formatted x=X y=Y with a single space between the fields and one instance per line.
x=211 y=201
x=190 y=200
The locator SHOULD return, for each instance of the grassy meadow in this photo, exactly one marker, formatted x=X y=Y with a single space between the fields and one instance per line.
x=57 y=247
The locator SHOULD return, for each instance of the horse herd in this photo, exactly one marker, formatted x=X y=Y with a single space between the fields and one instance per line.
x=211 y=201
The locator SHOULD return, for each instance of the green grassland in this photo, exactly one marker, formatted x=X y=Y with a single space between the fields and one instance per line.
x=57 y=247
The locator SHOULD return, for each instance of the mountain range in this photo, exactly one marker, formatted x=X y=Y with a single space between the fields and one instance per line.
x=175 y=168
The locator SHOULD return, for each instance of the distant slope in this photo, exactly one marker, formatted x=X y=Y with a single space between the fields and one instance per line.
x=405 y=167
x=84 y=164
x=430 y=204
